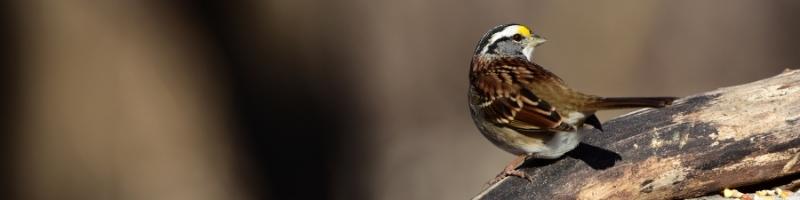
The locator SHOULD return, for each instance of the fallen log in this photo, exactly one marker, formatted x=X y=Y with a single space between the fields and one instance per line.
x=727 y=138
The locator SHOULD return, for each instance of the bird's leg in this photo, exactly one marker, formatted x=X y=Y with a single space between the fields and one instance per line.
x=511 y=170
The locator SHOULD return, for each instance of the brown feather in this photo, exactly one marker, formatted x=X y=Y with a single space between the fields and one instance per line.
x=502 y=84
x=630 y=102
x=523 y=95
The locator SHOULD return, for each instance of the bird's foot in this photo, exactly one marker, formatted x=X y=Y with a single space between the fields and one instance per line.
x=510 y=172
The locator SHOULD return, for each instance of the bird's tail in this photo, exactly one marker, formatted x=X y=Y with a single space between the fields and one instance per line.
x=630 y=102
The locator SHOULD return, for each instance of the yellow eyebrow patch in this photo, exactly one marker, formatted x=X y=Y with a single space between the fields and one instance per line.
x=524 y=31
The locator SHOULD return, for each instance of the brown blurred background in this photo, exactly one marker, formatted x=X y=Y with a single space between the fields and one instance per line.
x=303 y=99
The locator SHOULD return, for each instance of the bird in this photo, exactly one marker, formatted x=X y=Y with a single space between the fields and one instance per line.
x=526 y=110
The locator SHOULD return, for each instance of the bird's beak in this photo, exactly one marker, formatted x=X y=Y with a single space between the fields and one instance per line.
x=537 y=40
x=532 y=43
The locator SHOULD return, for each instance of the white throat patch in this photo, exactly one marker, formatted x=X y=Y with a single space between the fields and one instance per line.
x=528 y=52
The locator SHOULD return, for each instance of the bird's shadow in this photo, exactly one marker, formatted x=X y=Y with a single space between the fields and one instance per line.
x=597 y=158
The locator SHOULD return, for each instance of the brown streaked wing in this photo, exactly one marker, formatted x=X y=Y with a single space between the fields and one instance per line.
x=506 y=103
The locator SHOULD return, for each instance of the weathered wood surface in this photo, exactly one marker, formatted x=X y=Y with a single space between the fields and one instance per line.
x=729 y=137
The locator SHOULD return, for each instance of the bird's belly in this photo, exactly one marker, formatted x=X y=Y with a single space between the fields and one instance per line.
x=561 y=143
x=543 y=145
x=512 y=141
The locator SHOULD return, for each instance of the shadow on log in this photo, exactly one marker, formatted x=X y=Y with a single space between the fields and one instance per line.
x=730 y=137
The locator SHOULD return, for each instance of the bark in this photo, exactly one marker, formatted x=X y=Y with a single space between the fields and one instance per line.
x=727 y=138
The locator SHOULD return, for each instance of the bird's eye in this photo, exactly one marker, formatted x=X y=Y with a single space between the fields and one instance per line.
x=517 y=37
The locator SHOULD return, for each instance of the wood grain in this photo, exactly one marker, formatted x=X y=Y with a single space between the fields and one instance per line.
x=729 y=137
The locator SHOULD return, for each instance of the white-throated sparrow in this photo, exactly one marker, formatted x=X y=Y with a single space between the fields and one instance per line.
x=525 y=109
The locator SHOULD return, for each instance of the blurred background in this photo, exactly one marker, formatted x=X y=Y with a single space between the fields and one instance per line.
x=304 y=99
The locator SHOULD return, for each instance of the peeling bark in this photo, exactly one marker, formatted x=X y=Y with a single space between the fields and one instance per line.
x=729 y=137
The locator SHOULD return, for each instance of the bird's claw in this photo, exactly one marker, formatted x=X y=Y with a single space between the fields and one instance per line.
x=511 y=172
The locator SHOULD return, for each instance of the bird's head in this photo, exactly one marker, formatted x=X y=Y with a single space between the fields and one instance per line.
x=509 y=40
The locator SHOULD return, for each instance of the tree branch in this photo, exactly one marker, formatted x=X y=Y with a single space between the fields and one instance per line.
x=729 y=137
